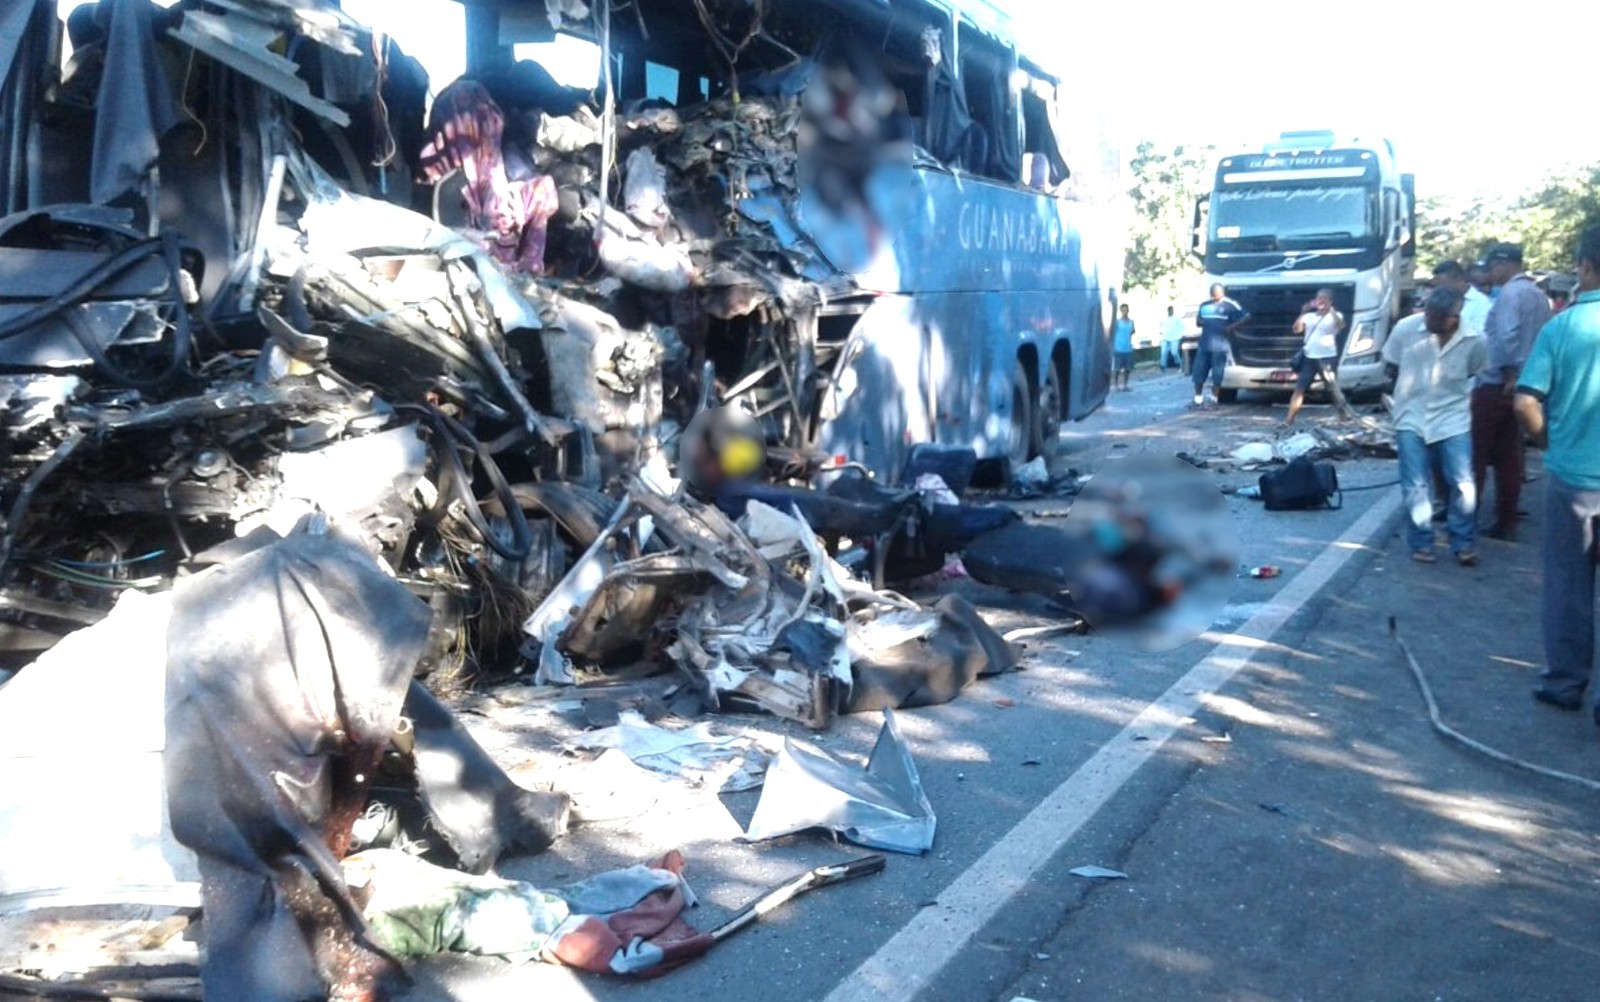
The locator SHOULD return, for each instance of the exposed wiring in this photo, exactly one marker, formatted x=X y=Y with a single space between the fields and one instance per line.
x=1372 y=487
x=726 y=47
x=388 y=148
x=1477 y=746
x=62 y=304
x=183 y=104
x=74 y=576
x=455 y=483
x=93 y=564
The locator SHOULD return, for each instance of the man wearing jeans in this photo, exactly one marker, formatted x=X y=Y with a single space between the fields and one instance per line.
x=1433 y=422
x=1558 y=404
x=1172 y=331
x=1519 y=311
x=1218 y=317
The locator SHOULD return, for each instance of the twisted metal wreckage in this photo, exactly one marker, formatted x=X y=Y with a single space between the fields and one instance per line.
x=284 y=449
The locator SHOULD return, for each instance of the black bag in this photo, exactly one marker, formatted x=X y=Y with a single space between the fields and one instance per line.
x=1301 y=485
x=1298 y=360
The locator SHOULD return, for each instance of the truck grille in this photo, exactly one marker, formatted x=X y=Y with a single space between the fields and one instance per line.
x=1268 y=341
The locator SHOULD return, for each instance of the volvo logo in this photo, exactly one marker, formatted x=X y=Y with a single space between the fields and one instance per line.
x=1288 y=263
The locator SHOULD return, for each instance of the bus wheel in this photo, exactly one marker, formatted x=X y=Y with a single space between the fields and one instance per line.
x=1047 y=423
x=1022 y=421
x=1229 y=395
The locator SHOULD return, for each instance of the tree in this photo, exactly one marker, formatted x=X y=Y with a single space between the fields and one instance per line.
x=1165 y=184
x=1545 y=220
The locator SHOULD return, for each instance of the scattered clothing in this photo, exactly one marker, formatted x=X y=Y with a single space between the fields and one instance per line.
x=621 y=922
x=468 y=128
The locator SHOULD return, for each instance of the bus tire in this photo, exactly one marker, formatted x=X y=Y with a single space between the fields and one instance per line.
x=1020 y=448
x=1228 y=395
x=1047 y=419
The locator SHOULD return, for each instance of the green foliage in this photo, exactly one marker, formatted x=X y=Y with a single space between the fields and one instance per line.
x=1165 y=184
x=1545 y=220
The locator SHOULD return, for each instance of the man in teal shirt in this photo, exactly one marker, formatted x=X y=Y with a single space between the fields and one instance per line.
x=1122 y=331
x=1558 y=404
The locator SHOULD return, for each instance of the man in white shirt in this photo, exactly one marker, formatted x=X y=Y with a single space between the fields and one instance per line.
x=1172 y=332
x=1320 y=324
x=1433 y=422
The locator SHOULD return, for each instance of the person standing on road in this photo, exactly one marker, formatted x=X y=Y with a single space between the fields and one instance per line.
x=1122 y=330
x=1478 y=278
x=1320 y=325
x=1475 y=305
x=1433 y=422
x=1558 y=405
x=1218 y=317
x=1519 y=311
x=1172 y=331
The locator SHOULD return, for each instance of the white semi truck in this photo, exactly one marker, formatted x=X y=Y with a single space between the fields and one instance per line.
x=1309 y=211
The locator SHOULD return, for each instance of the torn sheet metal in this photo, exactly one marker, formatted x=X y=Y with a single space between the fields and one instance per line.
x=882 y=806
x=725 y=762
x=338 y=223
x=578 y=588
x=243 y=43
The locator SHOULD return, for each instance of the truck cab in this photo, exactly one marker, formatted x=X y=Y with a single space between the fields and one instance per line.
x=1309 y=211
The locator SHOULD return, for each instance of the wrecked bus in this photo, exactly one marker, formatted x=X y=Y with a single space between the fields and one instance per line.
x=969 y=309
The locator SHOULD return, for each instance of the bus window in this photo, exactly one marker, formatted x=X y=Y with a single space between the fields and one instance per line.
x=660 y=82
x=572 y=61
x=1044 y=167
x=986 y=70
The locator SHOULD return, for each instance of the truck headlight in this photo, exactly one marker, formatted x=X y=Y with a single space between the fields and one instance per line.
x=1363 y=341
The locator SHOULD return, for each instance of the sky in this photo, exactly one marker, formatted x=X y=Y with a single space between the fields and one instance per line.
x=1487 y=101
x=1483 y=102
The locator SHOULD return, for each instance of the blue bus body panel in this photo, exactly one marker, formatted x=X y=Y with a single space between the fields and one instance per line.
x=976 y=275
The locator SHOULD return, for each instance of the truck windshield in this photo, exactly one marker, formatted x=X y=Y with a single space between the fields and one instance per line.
x=1292 y=213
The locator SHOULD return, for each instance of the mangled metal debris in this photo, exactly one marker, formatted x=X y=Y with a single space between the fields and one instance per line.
x=300 y=449
x=882 y=805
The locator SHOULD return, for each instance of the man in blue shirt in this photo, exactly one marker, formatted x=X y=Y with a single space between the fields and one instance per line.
x=1218 y=317
x=1558 y=404
x=1122 y=350
x=1519 y=312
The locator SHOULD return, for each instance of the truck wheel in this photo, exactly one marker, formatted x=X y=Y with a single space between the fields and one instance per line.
x=1022 y=420
x=1047 y=423
x=1228 y=395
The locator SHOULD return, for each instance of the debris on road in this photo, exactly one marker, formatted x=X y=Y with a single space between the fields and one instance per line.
x=326 y=408
x=882 y=806
x=1097 y=873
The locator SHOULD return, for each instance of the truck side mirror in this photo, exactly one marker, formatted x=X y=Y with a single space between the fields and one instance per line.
x=1197 y=233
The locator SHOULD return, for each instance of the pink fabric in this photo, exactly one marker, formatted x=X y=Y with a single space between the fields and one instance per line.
x=467 y=132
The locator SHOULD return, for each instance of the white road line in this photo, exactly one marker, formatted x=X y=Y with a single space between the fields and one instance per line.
x=913 y=957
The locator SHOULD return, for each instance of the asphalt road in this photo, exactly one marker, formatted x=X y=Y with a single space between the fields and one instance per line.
x=1290 y=825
